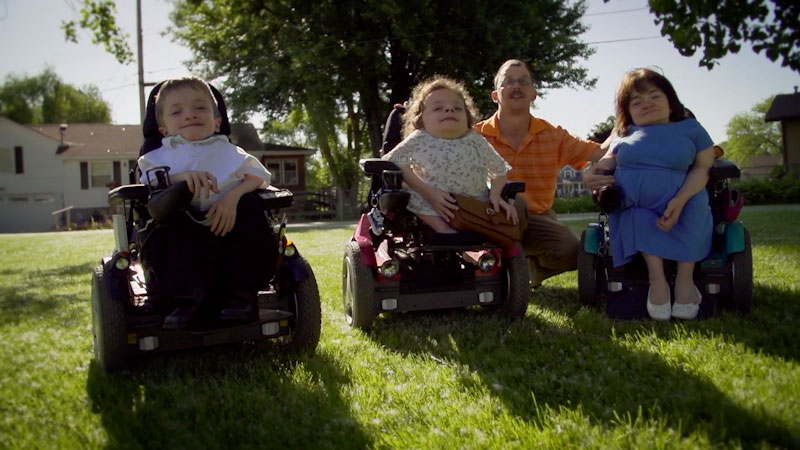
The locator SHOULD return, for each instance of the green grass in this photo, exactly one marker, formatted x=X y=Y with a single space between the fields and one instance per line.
x=563 y=377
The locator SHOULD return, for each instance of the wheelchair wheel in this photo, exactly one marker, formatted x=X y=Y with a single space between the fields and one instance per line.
x=588 y=275
x=308 y=315
x=742 y=277
x=517 y=289
x=108 y=325
x=357 y=289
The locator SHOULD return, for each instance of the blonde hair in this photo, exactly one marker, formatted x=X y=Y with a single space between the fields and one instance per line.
x=412 y=118
x=505 y=66
x=173 y=84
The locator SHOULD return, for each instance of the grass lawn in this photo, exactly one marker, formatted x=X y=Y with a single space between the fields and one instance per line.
x=565 y=376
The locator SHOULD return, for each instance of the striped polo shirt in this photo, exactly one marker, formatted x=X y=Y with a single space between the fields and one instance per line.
x=542 y=154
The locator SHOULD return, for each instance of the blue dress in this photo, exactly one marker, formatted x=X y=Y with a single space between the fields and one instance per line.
x=652 y=164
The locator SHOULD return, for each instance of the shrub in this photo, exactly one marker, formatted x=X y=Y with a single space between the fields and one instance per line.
x=575 y=205
x=759 y=192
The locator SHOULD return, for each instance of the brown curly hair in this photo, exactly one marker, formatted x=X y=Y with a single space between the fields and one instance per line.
x=638 y=80
x=412 y=118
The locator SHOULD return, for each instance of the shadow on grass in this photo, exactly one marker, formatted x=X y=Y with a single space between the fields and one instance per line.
x=772 y=326
x=240 y=396
x=533 y=364
x=40 y=293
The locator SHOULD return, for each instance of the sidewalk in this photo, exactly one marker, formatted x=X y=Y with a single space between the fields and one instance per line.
x=561 y=217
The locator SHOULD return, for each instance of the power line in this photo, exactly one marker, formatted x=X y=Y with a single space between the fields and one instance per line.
x=615 y=12
x=644 y=38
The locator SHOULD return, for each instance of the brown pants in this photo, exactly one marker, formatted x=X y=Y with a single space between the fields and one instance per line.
x=551 y=247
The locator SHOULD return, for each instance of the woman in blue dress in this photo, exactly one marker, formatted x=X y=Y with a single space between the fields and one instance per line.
x=662 y=160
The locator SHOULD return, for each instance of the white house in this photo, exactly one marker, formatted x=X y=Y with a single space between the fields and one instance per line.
x=31 y=178
x=50 y=167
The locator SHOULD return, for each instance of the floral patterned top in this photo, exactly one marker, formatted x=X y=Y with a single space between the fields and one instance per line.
x=460 y=166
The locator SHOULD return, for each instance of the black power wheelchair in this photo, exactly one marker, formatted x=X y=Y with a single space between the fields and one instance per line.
x=127 y=314
x=724 y=277
x=391 y=264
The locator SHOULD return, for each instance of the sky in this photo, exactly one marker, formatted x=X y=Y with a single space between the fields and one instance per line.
x=621 y=31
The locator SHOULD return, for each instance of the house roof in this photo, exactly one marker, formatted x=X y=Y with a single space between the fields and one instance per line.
x=123 y=141
x=95 y=139
x=785 y=106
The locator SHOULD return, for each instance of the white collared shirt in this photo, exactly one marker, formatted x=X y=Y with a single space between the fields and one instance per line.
x=215 y=154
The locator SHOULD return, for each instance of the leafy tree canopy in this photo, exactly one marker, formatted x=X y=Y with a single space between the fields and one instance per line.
x=721 y=27
x=100 y=17
x=343 y=63
x=46 y=99
x=749 y=135
x=602 y=130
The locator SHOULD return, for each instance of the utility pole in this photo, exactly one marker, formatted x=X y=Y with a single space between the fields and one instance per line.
x=139 y=57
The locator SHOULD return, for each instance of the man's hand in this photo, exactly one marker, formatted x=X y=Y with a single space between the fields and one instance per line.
x=597 y=176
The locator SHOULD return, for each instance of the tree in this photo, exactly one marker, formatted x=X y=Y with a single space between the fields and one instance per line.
x=602 y=130
x=719 y=28
x=46 y=99
x=100 y=17
x=343 y=63
x=749 y=135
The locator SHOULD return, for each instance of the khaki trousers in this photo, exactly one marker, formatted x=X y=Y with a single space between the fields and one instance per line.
x=551 y=247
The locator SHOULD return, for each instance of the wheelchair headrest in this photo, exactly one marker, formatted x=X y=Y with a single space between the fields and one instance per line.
x=152 y=137
x=393 y=130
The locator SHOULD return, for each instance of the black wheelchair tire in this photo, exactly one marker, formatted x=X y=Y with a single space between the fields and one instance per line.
x=357 y=289
x=517 y=288
x=588 y=277
x=308 y=314
x=742 y=277
x=108 y=325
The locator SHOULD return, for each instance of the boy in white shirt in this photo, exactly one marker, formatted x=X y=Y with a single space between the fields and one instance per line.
x=222 y=254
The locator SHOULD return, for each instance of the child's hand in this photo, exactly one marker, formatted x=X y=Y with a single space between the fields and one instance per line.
x=671 y=214
x=442 y=202
x=511 y=212
x=223 y=213
x=200 y=182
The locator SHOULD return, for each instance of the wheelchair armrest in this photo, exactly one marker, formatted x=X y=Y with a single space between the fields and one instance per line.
x=275 y=198
x=128 y=192
x=511 y=189
x=376 y=166
x=166 y=202
x=723 y=169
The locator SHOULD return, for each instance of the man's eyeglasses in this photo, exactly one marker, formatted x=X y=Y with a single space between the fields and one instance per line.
x=523 y=82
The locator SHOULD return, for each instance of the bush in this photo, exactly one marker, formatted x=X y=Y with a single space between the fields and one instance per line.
x=761 y=192
x=575 y=205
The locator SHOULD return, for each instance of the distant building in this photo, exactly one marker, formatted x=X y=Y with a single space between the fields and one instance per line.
x=570 y=183
x=761 y=167
x=786 y=109
x=49 y=168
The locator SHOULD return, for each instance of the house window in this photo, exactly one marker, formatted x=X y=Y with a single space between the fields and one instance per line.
x=284 y=171
x=6 y=160
x=100 y=173
x=274 y=167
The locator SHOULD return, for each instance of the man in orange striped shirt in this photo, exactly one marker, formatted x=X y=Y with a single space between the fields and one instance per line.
x=537 y=151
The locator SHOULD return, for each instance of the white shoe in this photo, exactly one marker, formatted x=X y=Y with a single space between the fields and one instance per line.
x=659 y=312
x=687 y=311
